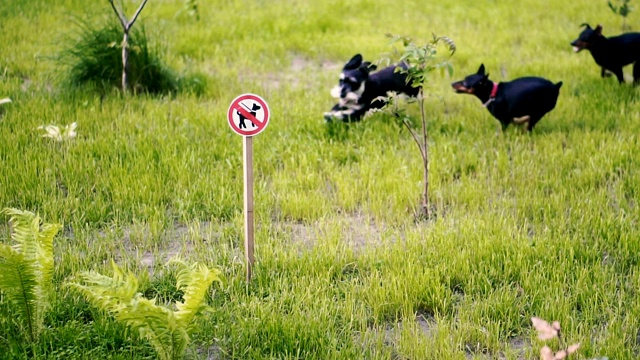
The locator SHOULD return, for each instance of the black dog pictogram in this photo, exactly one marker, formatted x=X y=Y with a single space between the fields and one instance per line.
x=253 y=111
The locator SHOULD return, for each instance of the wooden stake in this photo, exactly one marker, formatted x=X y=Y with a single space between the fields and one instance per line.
x=247 y=150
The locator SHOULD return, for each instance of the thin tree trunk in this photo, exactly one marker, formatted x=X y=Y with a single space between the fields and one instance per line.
x=125 y=60
x=423 y=146
x=425 y=158
x=126 y=26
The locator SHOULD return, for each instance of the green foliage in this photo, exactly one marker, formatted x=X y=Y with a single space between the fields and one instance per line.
x=26 y=268
x=95 y=59
x=623 y=10
x=543 y=224
x=166 y=330
x=421 y=61
x=191 y=8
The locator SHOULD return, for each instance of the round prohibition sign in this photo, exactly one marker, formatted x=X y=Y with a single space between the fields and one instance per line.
x=248 y=115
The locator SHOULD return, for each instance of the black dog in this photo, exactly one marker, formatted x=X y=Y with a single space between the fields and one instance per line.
x=359 y=89
x=521 y=101
x=611 y=53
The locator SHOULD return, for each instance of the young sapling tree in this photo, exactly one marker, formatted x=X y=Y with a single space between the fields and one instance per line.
x=126 y=27
x=421 y=61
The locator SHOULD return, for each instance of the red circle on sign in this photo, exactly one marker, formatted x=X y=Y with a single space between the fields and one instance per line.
x=248 y=115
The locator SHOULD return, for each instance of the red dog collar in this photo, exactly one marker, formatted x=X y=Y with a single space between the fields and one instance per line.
x=492 y=97
x=494 y=91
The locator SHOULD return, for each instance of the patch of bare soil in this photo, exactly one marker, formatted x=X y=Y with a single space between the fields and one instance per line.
x=358 y=231
x=150 y=251
x=297 y=73
x=428 y=326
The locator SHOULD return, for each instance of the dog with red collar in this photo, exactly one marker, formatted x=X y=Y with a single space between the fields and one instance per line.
x=522 y=101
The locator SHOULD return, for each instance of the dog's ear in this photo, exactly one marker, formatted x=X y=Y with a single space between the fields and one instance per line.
x=354 y=63
x=481 y=70
x=585 y=25
x=599 y=29
x=368 y=66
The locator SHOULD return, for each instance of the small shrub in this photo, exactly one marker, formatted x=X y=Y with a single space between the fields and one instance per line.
x=95 y=59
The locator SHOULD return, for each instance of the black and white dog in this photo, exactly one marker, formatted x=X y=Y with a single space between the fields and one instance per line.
x=359 y=89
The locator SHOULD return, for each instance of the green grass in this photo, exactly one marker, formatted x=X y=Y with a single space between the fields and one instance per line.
x=96 y=59
x=542 y=225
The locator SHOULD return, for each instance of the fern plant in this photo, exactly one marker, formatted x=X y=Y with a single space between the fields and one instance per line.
x=167 y=330
x=26 y=269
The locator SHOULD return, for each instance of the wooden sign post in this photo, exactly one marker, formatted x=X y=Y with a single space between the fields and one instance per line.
x=248 y=115
x=247 y=152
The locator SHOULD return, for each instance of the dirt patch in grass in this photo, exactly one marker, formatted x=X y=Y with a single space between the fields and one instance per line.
x=357 y=230
x=152 y=249
x=297 y=74
x=428 y=326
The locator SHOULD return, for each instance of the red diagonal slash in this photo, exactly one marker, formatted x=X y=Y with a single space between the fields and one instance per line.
x=248 y=115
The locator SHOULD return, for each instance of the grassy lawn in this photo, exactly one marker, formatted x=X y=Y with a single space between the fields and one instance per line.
x=542 y=224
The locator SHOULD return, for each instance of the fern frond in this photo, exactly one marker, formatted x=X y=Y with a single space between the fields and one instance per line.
x=166 y=330
x=25 y=226
x=194 y=281
x=44 y=254
x=26 y=267
x=119 y=296
x=35 y=242
x=19 y=284
x=107 y=293
x=155 y=323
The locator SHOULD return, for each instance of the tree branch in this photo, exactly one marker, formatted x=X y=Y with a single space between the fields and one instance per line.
x=123 y=20
x=135 y=16
x=415 y=138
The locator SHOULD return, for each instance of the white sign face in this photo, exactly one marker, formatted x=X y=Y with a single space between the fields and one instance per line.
x=248 y=115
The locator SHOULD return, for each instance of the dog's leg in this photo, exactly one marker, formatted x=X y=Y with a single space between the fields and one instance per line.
x=619 y=75
x=345 y=114
x=356 y=114
x=636 y=73
x=521 y=120
x=604 y=72
x=532 y=123
x=524 y=122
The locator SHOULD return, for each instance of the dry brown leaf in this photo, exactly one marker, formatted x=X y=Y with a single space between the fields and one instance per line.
x=546 y=331
x=573 y=348
x=546 y=353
